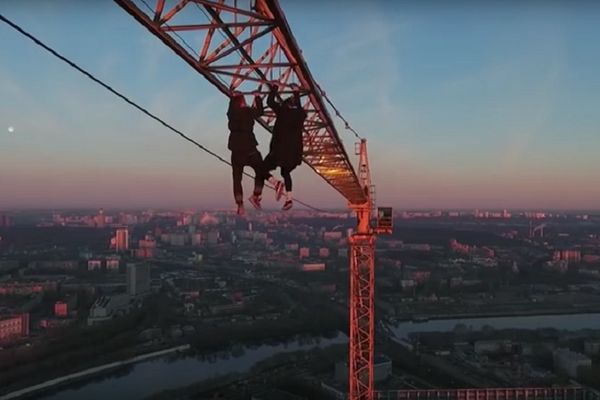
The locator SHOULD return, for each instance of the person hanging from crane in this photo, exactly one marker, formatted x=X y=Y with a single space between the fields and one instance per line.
x=285 y=149
x=242 y=144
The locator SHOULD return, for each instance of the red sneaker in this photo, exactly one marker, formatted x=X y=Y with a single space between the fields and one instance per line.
x=240 y=210
x=255 y=201
x=287 y=205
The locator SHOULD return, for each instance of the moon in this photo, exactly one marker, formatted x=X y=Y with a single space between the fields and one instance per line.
x=11 y=129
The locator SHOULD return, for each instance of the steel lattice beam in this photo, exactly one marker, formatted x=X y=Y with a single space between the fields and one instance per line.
x=362 y=290
x=518 y=393
x=242 y=45
x=362 y=310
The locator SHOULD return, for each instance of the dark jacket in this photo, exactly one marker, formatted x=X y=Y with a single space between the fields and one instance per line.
x=286 y=142
x=241 y=126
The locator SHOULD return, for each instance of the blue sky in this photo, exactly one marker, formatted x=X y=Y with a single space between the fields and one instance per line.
x=465 y=104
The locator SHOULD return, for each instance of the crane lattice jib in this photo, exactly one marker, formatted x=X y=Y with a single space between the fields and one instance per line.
x=243 y=45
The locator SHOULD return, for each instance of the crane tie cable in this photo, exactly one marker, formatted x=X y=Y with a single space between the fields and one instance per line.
x=338 y=114
x=127 y=100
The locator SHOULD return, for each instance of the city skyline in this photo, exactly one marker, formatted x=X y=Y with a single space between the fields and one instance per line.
x=464 y=107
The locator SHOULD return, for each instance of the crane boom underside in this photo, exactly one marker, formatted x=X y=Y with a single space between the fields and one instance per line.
x=242 y=45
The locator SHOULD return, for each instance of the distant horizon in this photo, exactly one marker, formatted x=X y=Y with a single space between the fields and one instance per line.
x=270 y=209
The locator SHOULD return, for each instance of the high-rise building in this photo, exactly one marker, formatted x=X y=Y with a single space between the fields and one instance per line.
x=122 y=239
x=138 y=279
x=5 y=221
x=146 y=247
x=100 y=219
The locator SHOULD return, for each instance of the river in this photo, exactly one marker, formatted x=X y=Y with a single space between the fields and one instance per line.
x=140 y=380
x=571 y=322
x=143 y=379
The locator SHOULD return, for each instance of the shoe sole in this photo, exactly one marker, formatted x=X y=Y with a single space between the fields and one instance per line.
x=255 y=204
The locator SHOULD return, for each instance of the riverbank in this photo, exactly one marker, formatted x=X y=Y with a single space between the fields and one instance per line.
x=418 y=318
x=91 y=371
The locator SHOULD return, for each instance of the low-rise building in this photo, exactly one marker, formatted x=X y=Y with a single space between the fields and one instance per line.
x=106 y=308
x=569 y=255
x=591 y=347
x=591 y=258
x=493 y=346
x=304 y=252
x=569 y=362
x=24 y=288
x=61 y=309
x=13 y=327
x=226 y=308
x=94 y=265
x=312 y=267
x=64 y=307
x=54 y=265
x=112 y=264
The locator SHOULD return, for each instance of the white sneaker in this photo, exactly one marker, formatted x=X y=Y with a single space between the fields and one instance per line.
x=279 y=188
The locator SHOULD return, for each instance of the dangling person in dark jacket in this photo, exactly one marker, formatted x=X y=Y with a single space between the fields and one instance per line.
x=285 y=150
x=242 y=144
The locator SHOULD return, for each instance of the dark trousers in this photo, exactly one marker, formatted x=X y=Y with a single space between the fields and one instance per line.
x=254 y=160
x=271 y=162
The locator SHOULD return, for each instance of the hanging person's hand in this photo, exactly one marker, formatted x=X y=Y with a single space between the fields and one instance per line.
x=257 y=94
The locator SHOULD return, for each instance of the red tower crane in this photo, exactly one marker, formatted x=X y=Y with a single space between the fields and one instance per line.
x=243 y=45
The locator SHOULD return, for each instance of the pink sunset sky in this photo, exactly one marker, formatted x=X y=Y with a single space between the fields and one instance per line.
x=471 y=106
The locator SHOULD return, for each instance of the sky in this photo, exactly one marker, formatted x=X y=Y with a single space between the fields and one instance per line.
x=465 y=104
